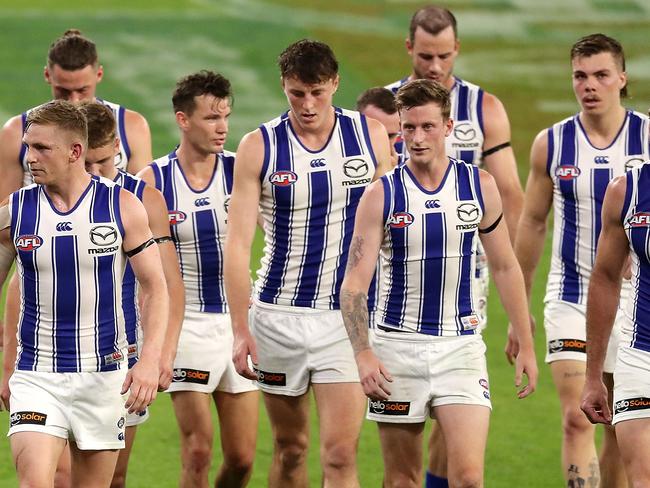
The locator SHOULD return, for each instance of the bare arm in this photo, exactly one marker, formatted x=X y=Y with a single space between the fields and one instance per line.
x=362 y=262
x=509 y=282
x=502 y=164
x=143 y=377
x=381 y=147
x=10 y=165
x=7 y=255
x=531 y=232
x=602 y=301
x=242 y=219
x=139 y=139
x=156 y=208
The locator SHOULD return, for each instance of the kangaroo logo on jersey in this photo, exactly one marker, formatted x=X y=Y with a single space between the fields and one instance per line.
x=317 y=163
x=29 y=242
x=64 y=226
x=567 y=172
x=601 y=159
x=399 y=220
x=432 y=204
x=176 y=217
x=464 y=132
x=633 y=163
x=103 y=235
x=639 y=219
x=283 y=178
x=202 y=202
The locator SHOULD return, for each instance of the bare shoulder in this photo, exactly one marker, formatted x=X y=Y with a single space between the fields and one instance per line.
x=135 y=121
x=539 y=149
x=147 y=175
x=617 y=188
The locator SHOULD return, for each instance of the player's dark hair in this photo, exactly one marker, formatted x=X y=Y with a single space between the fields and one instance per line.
x=72 y=51
x=421 y=92
x=380 y=97
x=432 y=19
x=202 y=83
x=61 y=114
x=600 y=43
x=309 y=61
x=101 y=124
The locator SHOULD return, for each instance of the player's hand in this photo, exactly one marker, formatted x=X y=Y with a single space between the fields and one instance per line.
x=142 y=383
x=5 y=394
x=243 y=347
x=512 y=342
x=594 y=402
x=373 y=375
x=166 y=369
x=526 y=364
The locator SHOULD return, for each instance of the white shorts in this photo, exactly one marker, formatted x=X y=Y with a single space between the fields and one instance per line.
x=631 y=385
x=204 y=357
x=429 y=372
x=566 y=333
x=86 y=408
x=297 y=346
x=137 y=418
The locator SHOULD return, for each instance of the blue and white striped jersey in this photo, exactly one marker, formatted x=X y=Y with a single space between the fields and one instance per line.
x=466 y=140
x=198 y=219
x=428 y=254
x=580 y=174
x=121 y=158
x=129 y=288
x=71 y=267
x=308 y=203
x=636 y=222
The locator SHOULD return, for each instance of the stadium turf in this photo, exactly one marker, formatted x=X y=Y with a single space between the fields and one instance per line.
x=516 y=49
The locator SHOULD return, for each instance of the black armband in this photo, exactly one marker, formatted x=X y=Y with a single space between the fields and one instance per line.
x=494 y=149
x=140 y=248
x=161 y=239
x=493 y=226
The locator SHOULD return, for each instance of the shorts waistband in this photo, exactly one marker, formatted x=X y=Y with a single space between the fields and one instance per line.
x=272 y=307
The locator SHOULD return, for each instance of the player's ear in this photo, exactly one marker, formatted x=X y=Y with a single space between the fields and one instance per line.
x=100 y=73
x=181 y=120
x=449 y=125
x=409 y=46
x=335 y=83
x=76 y=150
x=116 y=145
x=46 y=74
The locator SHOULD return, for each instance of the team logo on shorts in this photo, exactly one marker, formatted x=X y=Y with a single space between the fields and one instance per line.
x=271 y=379
x=283 y=178
x=639 y=219
x=29 y=242
x=567 y=172
x=187 y=375
x=567 y=345
x=640 y=403
x=484 y=383
x=399 y=220
x=20 y=418
x=120 y=436
x=380 y=407
x=120 y=423
x=176 y=217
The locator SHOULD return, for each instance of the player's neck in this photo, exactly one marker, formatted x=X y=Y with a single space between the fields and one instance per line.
x=314 y=138
x=603 y=128
x=65 y=193
x=197 y=165
x=431 y=174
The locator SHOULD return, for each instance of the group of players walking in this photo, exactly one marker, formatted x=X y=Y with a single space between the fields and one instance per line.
x=379 y=225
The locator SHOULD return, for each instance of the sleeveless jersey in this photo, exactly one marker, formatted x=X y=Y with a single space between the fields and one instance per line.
x=308 y=203
x=197 y=219
x=70 y=267
x=580 y=173
x=129 y=288
x=428 y=254
x=636 y=222
x=466 y=140
x=121 y=158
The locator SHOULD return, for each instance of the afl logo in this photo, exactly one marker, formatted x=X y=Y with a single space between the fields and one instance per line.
x=399 y=220
x=567 y=172
x=176 y=217
x=639 y=219
x=283 y=178
x=29 y=242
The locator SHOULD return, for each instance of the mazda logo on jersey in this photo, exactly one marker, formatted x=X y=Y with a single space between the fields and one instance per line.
x=633 y=163
x=567 y=172
x=29 y=242
x=464 y=132
x=64 y=226
x=176 y=217
x=283 y=178
x=399 y=220
x=103 y=235
x=639 y=219
x=202 y=202
x=467 y=212
x=355 y=168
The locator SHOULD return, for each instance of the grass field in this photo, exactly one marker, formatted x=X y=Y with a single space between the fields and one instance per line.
x=516 y=49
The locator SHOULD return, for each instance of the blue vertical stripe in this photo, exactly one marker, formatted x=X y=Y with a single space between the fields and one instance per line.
x=267 y=153
x=107 y=321
x=366 y=135
x=639 y=240
x=568 y=247
x=600 y=180
x=320 y=196
x=228 y=163
x=549 y=151
x=479 y=109
x=210 y=261
x=467 y=156
x=433 y=281
x=634 y=134
x=121 y=126
x=66 y=303
x=394 y=306
x=464 y=300
x=462 y=105
x=351 y=145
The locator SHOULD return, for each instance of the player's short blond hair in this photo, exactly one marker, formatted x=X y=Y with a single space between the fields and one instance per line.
x=61 y=114
x=101 y=124
x=421 y=92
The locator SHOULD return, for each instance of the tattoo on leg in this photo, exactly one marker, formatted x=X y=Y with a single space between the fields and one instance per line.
x=594 y=474
x=574 y=478
x=355 y=253
x=574 y=374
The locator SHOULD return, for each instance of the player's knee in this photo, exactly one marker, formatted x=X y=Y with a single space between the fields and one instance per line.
x=197 y=456
x=119 y=480
x=292 y=452
x=339 y=456
x=466 y=478
x=240 y=462
x=575 y=423
x=62 y=479
x=402 y=479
